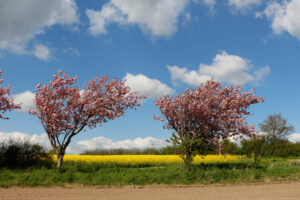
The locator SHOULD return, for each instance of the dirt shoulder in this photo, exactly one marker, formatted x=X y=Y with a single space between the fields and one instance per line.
x=278 y=191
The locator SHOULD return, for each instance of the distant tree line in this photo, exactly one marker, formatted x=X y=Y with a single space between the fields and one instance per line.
x=271 y=142
x=263 y=146
x=169 y=150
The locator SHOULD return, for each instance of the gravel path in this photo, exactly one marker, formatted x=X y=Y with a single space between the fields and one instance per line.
x=282 y=191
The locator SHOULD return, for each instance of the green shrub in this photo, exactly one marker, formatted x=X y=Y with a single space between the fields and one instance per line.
x=269 y=147
x=22 y=153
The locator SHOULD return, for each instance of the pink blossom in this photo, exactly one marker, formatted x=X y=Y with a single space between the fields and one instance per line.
x=209 y=111
x=6 y=102
x=65 y=110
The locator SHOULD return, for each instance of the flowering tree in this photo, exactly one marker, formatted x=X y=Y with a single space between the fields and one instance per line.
x=6 y=102
x=203 y=116
x=65 y=110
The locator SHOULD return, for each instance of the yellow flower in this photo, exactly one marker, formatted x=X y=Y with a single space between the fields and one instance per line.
x=147 y=159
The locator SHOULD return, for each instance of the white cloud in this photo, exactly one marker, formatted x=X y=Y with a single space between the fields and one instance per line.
x=42 y=52
x=295 y=137
x=146 y=86
x=21 y=21
x=187 y=18
x=190 y=77
x=243 y=5
x=71 y=51
x=94 y=143
x=105 y=143
x=26 y=99
x=225 y=68
x=284 y=17
x=158 y=17
x=35 y=139
x=210 y=3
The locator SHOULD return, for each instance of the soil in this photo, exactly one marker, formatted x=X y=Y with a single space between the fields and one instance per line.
x=277 y=191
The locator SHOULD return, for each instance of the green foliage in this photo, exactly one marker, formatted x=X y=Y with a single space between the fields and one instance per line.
x=242 y=171
x=168 y=150
x=20 y=154
x=52 y=152
x=121 y=151
x=261 y=146
x=189 y=146
x=229 y=147
x=270 y=147
x=276 y=127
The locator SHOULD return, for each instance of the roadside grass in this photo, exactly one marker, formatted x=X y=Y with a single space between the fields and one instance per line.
x=111 y=174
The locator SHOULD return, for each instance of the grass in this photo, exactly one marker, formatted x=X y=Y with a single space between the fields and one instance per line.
x=91 y=174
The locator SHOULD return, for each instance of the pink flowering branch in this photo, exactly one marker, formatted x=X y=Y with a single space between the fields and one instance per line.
x=6 y=102
x=65 y=110
x=210 y=112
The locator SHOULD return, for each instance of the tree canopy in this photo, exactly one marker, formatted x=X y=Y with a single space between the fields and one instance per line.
x=65 y=110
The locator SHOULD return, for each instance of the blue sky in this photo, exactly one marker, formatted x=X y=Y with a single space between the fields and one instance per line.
x=161 y=47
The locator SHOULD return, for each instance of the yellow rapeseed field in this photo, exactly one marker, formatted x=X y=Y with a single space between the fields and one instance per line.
x=147 y=159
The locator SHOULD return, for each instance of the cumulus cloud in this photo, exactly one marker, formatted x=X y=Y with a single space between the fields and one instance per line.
x=294 y=137
x=42 y=52
x=35 y=139
x=106 y=143
x=225 y=68
x=21 y=21
x=157 y=17
x=146 y=86
x=284 y=17
x=210 y=3
x=243 y=5
x=84 y=145
x=26 y=99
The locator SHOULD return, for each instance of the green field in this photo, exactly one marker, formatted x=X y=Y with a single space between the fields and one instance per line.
x=242 y=171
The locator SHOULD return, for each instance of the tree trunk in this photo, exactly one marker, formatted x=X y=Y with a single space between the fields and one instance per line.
x=188 y=160
x=60 y=157
x=188 y=156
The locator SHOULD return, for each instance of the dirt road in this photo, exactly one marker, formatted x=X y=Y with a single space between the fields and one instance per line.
x=282 y=191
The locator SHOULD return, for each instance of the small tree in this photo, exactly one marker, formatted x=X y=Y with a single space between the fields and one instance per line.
x=6 y=102
x=229 y=147
x=276 y=128
x=254 y=147
x=206 y=115
x=65 y=110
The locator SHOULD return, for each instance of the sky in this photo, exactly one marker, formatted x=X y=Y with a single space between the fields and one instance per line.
x=159 y=47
